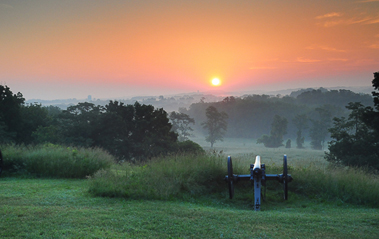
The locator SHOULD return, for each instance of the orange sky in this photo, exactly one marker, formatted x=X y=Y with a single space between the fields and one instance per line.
x=64 y=49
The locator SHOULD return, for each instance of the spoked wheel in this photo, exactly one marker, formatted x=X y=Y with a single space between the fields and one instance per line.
x=285 y=177
x=1 y=162
x=230 y=178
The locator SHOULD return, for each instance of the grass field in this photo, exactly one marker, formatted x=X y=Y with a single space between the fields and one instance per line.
x=58 y=208
x=64 y=208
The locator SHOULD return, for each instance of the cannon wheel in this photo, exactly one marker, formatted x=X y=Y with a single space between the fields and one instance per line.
x=1 y=162
x=285 y=177
x=230 y=178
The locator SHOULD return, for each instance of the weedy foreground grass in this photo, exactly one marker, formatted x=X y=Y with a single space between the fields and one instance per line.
x=55 y=161
x=62 y=208
x=193 y=176
x=175 y=176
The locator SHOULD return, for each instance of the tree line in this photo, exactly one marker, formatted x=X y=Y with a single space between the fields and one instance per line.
x=306 y=116
x=130 y=132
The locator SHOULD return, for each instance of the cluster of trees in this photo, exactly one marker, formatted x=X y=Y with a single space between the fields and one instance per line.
x=308 y=115
x=278 y=129
x=355 y=139
x=18 y=120
x=130 y=132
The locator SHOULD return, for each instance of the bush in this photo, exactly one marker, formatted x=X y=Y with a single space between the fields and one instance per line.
x=54 y=161
x=189 y=146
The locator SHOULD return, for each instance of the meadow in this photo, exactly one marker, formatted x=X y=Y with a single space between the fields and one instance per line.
x=185 y=196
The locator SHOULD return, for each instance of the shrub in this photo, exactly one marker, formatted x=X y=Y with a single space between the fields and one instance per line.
x=189 y=146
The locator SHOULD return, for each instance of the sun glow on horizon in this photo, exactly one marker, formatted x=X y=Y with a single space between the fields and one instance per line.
x=216 y=82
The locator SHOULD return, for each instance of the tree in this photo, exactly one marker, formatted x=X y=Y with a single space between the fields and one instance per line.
x=181 y=125
x=320 y=126
x=355 y=140
x=115 y=129
x=33 y=116
x=301 y=123
x=49 y=132
x=216 y=125
x=152 y=133
x=288 y=144
x=278 y=129
x=130 y=132
x=371 y=117
x=80 y=124
x=10 y=114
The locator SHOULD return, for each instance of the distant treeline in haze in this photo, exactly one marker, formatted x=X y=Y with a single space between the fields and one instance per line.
x=251 y=116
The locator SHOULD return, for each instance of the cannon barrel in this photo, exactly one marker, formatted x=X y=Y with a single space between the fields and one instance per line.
x=257 y=169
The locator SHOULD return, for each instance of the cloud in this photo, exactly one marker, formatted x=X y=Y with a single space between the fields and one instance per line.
x=364 y=1
x=373 y=21
x=328 y=15
x=351 y=21
x=374 y=46
x=325 y=48
x=334 y=18
x=338 y=59
x=262 y=68
x=304 y=60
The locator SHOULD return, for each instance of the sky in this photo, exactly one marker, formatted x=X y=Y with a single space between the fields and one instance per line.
x=60 y=49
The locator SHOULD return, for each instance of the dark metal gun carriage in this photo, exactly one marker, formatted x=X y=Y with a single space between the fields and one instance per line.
x=258 y=178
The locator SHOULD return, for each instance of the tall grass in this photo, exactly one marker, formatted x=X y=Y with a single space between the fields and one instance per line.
x=188 y=175
x=54 y=161
x=174 y=176
x=315 y=178
x=344 y=184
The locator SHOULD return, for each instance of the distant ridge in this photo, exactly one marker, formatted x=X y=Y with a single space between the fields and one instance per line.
x=357 y=89
x=215 y=95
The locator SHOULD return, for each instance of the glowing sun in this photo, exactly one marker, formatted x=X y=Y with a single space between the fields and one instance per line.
x=216 y=81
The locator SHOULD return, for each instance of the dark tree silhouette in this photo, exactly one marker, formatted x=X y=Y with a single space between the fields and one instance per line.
x=10 y=114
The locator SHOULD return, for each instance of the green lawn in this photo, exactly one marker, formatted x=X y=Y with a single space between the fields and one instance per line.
x=55 y=208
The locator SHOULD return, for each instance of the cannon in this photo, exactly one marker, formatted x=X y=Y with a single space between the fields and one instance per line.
x=258 y=178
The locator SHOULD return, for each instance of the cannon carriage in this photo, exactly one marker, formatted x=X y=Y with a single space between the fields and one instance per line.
x=258 y=178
